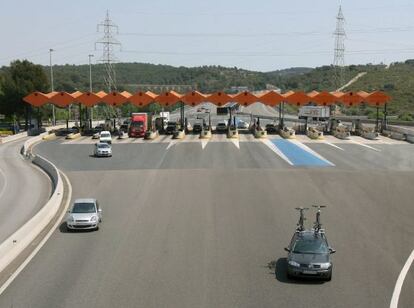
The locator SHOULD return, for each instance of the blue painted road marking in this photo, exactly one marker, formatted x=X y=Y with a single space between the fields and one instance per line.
x=298 y=155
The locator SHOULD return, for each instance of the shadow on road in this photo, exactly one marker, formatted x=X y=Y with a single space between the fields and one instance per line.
x=279 y=269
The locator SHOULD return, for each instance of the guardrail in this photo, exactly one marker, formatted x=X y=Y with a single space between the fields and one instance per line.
x=15 y=244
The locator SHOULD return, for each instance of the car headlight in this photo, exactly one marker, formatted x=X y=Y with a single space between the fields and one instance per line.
x=93 y=218
x=293 y=263
x=325 y=265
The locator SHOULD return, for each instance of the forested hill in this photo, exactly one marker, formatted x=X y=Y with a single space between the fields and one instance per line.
x=203 y=78
x=397 y=79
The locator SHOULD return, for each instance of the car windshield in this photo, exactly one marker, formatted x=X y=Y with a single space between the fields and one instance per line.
x=105 y=135
x=84 y=208
x=103 y=146
x=310 y=244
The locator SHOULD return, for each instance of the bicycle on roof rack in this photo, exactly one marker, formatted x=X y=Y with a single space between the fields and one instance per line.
x=301 y=222
x=317 y=226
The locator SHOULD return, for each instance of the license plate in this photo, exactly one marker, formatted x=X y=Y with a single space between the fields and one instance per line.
x=309 y=272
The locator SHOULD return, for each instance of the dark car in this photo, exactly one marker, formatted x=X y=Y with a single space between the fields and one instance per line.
x=124 y=128
x=309 y=255
x=271 y=128
x=197 y=128
x=171 y=128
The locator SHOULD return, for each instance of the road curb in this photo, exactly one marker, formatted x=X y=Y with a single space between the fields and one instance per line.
x=18 y=249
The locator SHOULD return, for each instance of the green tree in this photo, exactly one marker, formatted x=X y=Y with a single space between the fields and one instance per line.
x=20 y=79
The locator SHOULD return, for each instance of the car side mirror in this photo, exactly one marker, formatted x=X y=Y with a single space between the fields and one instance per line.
x=332 y=250
x=287 y=249
x=99 y=210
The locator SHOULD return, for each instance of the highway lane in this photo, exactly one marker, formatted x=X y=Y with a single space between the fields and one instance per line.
x=187 y=227
x=24 y=189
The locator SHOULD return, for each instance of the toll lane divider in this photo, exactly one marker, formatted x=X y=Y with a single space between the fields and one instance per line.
x=21 y=240
x=298 y=154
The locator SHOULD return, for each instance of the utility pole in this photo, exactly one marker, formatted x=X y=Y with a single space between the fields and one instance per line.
x=108 y=42
x=339 y=50
x=51 y=85
x=90 y=88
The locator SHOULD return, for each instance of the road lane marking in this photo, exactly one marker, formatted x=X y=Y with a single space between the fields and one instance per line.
x=203 y=143
x=236 y=143
x=309 y=150
x=300 y=154
x=365 y=145
x=400 y=281
x=271 y=146
x=334 y=145
x=170 y=144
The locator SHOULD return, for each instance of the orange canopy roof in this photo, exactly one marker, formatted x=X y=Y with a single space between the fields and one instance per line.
x=168 y=98
x=90 y=99
x=324 y=98
x=377 y=98
x=271 y=98
x=297 y=98
x=245 y=98
x=142 y=98
x=76 y=94
x=193 y=98
x=62 y=99
x=312 y=94
x=115 y=99
x=219 y=98
x=351 y=99
x=38 y=99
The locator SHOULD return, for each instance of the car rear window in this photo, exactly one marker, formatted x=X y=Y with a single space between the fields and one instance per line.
x=105 y=135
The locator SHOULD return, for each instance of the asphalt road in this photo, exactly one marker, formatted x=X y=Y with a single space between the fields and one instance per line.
x=24 y=189
x=190 y=227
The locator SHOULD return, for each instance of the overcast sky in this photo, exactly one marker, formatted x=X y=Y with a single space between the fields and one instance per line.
x=261 y=35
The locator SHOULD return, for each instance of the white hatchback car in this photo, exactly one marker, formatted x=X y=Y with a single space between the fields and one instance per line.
x=84 y=214
x=105 y=136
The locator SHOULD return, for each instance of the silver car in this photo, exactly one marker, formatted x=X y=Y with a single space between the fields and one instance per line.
x=84 y=214
x=103 y=149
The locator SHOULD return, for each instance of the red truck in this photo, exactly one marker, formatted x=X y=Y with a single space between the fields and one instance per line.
x=138 y=125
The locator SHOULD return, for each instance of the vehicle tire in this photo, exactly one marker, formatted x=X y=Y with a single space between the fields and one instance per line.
x=97 y=228
x=329 y=278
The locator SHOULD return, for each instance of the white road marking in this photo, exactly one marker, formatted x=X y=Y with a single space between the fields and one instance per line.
x=236 y=143
x=170 y=144
x=309 y=150
x=274 y=148
x=400 y=281
x=364 y=145
x=203 y=143
x=334 y=145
